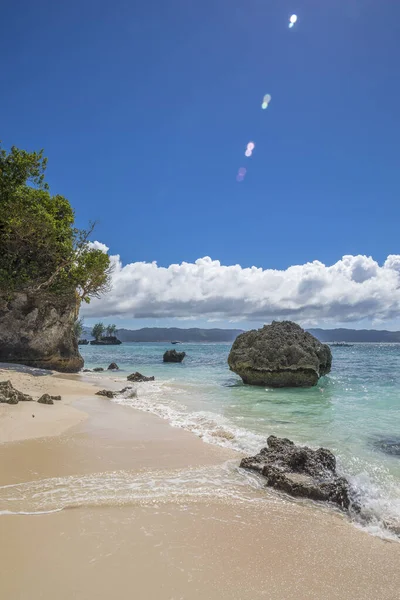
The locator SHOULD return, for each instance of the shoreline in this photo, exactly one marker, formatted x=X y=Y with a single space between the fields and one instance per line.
x=155 y=498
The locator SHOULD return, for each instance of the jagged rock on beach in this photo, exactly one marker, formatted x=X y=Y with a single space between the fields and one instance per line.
x=98 y=369
x=86 y=370
x=139 y=378
x=111 y=394
x=113 y=367
x=46 y=399
x=106 y=393
x=173 y=356
x=55 y=398
x=300 y=471
x=280 y=355
x=9 y=395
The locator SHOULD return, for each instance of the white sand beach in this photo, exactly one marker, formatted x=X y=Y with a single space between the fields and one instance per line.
x=122 y=528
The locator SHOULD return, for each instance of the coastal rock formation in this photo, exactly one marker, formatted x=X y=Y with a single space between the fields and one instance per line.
x=280 y=355
x=139 y=378
x=113 y=367
x=300 y=471
x=173 y=356
x=45 y=399
x=36 y=329
x=9 y=395
x=110 y=340
x=98 y=369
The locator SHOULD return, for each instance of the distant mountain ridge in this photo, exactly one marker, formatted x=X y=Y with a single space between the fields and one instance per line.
x=170 y=334
x=356 y=335
x=161 y=334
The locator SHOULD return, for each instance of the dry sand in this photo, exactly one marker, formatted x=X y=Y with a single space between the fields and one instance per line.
x=163 y=547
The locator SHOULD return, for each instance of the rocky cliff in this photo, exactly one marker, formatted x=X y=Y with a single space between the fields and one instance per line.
x=36 y=329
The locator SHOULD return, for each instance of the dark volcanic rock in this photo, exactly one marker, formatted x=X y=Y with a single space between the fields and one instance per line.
x=55 y=397
x=98 y=369
x=36 y=329
x=9 y=395
x=87 y=370
x=138 y=377
x=45 y=399
x=280 y=355
x=110 y=394
x=300 y=471
x=106 y=393
x=113 y=367
x=106 y=341
x=173 y=356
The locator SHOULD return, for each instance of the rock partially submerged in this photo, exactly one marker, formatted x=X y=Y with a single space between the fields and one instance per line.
x=388 y=444
x=300 y=471
x=106 y=393
x=98 y=369
x=128 y=391
x=173 y=356
x=280 y=355
x=113 y=367
x=9 y=395
x=139 y=378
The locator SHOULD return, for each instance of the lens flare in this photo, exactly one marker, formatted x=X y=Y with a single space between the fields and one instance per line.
x=251 y=146
x=266 y=101
x=292 y=20
x=241 y=174
x=248 y=153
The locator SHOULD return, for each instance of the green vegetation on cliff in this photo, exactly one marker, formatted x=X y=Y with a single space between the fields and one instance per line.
x=40 y=249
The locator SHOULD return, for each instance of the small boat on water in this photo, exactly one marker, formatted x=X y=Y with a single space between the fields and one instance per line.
x=174 y=342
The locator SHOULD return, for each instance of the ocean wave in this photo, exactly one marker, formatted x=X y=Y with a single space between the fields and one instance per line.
x=224 y=483
x=378 y=497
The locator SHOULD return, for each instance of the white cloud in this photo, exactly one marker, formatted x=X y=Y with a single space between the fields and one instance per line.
x=354 y=288
x=98 y=246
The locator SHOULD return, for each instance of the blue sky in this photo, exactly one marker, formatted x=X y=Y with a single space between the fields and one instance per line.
x=145 y=109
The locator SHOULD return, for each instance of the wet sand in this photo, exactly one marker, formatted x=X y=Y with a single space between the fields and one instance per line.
x=161 y=548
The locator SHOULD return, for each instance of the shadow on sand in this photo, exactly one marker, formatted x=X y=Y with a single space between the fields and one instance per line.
x=24 y=369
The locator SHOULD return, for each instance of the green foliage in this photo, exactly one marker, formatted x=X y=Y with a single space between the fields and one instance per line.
x=111 y=330
x=98 y=331
x=39 y=246
x=78 y=328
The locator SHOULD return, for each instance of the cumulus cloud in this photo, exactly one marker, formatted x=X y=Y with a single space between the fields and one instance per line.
x=354 y=288
x=98 y=246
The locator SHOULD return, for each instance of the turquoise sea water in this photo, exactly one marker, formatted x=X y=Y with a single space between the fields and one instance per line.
x=354 y=411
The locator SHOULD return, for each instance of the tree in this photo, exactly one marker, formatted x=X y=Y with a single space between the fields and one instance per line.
x=98 y=331
x=78 y=328
x=113 y=329
x=40 y=249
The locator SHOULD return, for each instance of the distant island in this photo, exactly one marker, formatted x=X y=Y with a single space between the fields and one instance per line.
x=195 y=335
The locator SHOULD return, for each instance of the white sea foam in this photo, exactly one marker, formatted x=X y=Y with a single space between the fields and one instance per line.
x=380 y=503
x=218 y=483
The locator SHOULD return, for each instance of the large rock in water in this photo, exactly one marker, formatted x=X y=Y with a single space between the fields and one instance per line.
x=300 y=471
x=280 y=355
x=173 y=356
x=37 y=330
